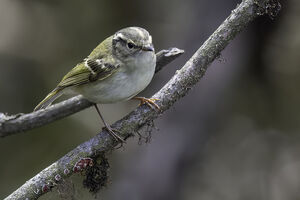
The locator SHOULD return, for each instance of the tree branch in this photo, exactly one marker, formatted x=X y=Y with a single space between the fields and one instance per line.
x=11 y=124
x=176 y=88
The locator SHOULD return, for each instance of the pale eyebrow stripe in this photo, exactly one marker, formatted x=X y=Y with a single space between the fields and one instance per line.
x=119 y=35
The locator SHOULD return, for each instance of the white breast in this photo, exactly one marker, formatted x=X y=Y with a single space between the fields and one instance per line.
x=127 y=82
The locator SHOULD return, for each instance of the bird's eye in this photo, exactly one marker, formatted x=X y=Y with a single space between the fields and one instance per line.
x=130 y=45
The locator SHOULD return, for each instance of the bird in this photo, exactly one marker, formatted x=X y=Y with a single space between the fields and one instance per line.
x=117 y=70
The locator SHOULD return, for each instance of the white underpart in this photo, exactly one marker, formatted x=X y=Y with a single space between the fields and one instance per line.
x=130 y=79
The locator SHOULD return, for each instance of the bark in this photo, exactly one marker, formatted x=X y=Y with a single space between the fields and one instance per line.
x=175 y=89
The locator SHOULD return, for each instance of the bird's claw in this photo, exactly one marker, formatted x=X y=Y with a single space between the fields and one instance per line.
x=112 y=131
x=149 y=102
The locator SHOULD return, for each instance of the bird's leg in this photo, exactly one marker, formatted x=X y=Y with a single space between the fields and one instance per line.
x=108 y=128
x=149 y=102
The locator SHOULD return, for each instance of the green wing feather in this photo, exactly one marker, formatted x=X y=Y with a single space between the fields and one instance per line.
x=77 y=76
x=81 y=74
x=49 y=99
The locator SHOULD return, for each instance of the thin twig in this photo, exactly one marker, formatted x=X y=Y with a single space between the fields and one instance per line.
x=176 y=88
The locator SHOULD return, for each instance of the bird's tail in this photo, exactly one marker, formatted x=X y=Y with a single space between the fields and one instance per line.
x=57 y=92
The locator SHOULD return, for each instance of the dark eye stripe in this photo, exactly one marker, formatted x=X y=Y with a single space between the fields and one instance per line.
x=125 y=42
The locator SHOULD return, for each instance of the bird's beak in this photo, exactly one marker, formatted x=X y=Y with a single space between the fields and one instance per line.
x=148 y=47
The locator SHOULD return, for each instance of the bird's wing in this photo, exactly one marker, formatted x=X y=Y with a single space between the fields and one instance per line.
x=98 y=66
x=86 y=72
x=89 y=71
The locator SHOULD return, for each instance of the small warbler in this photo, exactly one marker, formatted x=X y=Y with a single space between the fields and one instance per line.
x=117 y=69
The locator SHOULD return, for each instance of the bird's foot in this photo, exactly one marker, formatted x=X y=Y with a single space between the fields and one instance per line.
x=112 y=131
x=149 y=102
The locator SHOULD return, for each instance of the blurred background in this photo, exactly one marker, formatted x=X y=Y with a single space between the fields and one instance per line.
x=235 y=136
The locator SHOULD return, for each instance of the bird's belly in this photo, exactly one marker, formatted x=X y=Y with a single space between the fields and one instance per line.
x=120 y=86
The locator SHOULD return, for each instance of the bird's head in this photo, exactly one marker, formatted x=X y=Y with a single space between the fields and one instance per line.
x=131 y=42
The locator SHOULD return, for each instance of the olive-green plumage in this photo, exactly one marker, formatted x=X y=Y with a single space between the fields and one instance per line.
x=116 y=70
x=79 y=74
